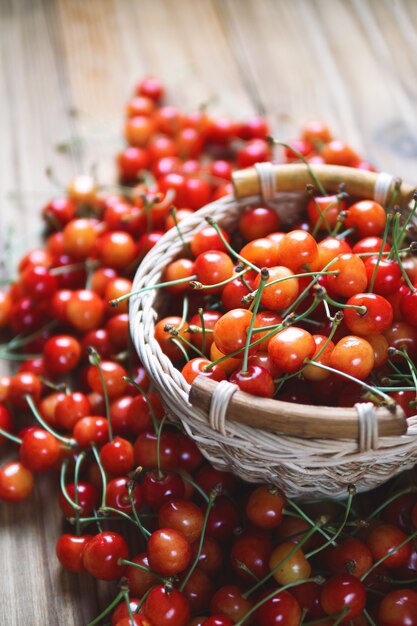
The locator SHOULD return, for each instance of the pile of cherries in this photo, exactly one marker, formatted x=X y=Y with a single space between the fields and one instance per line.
x=190 y=545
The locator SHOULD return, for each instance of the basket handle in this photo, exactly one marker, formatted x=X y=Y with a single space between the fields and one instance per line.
x=322 y=422
x=296 y=176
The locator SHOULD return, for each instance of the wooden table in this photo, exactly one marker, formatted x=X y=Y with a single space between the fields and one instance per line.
x=68 y=66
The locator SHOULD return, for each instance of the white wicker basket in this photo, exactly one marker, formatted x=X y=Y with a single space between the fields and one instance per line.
x=303 y=466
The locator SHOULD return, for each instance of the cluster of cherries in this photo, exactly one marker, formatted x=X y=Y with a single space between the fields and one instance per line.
x=208 y=549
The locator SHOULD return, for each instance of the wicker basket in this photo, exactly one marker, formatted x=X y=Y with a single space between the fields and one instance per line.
x=308 y=451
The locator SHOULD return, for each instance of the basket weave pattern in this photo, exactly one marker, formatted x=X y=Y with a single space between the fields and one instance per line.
x=302 y=467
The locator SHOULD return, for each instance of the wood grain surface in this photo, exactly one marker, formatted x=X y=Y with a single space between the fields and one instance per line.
x=66 y=69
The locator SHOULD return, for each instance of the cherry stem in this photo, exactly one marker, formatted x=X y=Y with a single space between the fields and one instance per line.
x=389 y=553
x=78 y=462
x=173 y=213
x=22 y=340
x=369 y=618
x=397 y=254
x=345 y=233
x=229 y=248
x=291 y=553
x=246 y=569
x=62 y=269
x=7 y=435
x=375 y=390
x=148 y=402
x=71 y=443
x=182 y=340
x=184 y=313
x=403 y=232
x=158 y=446
x=203 y=330
x=126 y=296
x=352 y=492
x=212 y=499
x=103 y=476
x=361 y=308
x=274 y=593
x=322 y=219
x=95 y=359
x=303 y=159
x=126 y=597
x=256 y=303
x=197 y=487
x=339 y=615
x=64 y=491
x=410 y=364
x=110 y=509
x=195 y=284
x=107 y=610
x=308 y=519
x=404 y=491
x=10 y=356
x=380 y=253
x=145 y=532
x=180 y=347
x=306 y=290
x=251 y=295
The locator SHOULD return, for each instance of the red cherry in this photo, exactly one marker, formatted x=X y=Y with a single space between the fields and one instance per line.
x=140 y=580
x=39 y=450
x=117 y=495
x=161 y=487
x=117 y=456
x=256 y=380
x=398 y=608
x=384 y=539
x=86 y=495
x=265 y=507
x=102 y=555
x=16 y=482
x=166 y=607
x=282 y=608
x=70 y=549
x=169 y=553
x=61 y=354
x=183 y=516
x=343 y=592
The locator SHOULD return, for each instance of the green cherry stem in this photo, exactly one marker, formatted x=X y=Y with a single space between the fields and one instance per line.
x=143 y=568
x=145 y=532
x=7 y=435
x=148 y=402
x=376 y=390
x=395 y=237
x=68 y=442
x=182 y=340
x=95 y=359
x=229 y=248
x=404 y=491
x=103 y=476
x=322 y=216
x=308 y=519
x=64 y=491
x=184 y=313
x=196 y=285
x=256 y=303
x=108 y=608
x=126 y=296
x=348 y=509
x=203 y=330
x=251 y=295
x=403 y=232
x=380 y=253
x=212 y=499
x=173 y=213
x=302 y=158
x=78 y=462
x=389 y=553
x=369 y=618
x=126 y=597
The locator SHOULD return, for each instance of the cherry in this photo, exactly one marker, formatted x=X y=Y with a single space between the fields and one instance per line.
x=290 y=348
x=297 y=249
x=70 y=408
x=254 y=151
x=84 y=310
x=91 y=429
x=265 y=507
x=262 y=252
x=117 y=495
x=16 y=482
x=223 y=519
x=279 y=295
x=79 y=238
x=354 y=356
x=316 y=131
x=211 y=556
x=387 y=273
x=377 y=317
x=339 y=153
x=38 y=283
x=145 y=448
x=116 y=249
x=352 y=276
x=209 y=478
x=178 y=270
x=61 y=354
x=151 y=88
x=384 y=539
x=229 y=600
x=252 y=549
x=367 y=217
x=183 y=516
x=230 y=330
x=207 y=239
x=198 y=590
x=117 y=456
x=130 y=163
x=161 y=487
x=343 y=592
x=295 y=568
x=282 y=608
x=258 y=222
x=39 y=450
x=324 y=349
x=121 y=611
x=398 y=608
x=85 y=494
x=164 y=338
x=218 y=620
x=59 y=212
x=213 y=267
x=70 y=549
x=139 y=579
x=197 y=367
x=6 y=421
x=169 y=553
x=351 y=556
x=166 y=607
x=328 y=249
x=254 y=127
x=103 y=553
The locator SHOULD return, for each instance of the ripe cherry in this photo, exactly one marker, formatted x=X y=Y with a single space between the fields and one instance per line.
x=290 y=348
x=343 y=592
x=102 y=555
x=39 y=450
x=16 y=482
x=166 y=607
x=70 y=549
x=399 y=607
x=265 y=507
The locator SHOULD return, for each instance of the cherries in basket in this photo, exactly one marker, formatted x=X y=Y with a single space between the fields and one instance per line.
x=330 y=301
